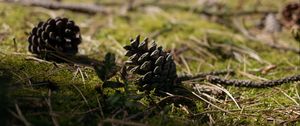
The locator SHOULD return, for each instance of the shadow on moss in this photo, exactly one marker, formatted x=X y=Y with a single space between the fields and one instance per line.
x=5 y=80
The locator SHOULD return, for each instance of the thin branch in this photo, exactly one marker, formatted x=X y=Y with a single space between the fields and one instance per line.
x=205 y=12
x=100 y=108
x=51 y=113
x=228 y=93
x=289 y=97
x=247 y=83
x=203 y=75
x=93 y=9
x=83 y=97
x=19 y=115
x=226 y=111
x=83 y=8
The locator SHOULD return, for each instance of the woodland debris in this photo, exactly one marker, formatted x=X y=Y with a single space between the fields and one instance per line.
x=93 y=9
x=83 y=8
x=203 y=11
x=202 y=76
x=269 y=43
x=247 y=83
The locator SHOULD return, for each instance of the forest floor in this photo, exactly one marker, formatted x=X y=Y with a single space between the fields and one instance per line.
x=206 y=42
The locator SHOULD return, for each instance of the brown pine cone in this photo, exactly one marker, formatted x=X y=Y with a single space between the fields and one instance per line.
x=54 y=38
x=156 y=67
x=291 y=14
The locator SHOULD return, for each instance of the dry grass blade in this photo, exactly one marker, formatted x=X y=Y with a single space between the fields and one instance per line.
x=100 y=107
x=228 y=93
x=251 y=76
x=75 y=74
x=213 y=49
x=202 y=51
x=288 y=96
x=83 y=97
x=83 y=80
x=210 y=103
x=20 y=116
x=242 y=50
x=185 y=64
x=207 y=95
x=267 y=69
x=51 y=113
x=297 y=92
x=38 y=60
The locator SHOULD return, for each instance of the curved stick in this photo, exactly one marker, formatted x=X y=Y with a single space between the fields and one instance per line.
x=248 y=83
x=203 y=75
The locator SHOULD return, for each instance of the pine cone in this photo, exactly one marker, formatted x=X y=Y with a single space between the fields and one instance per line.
x=55 y=37
x=156 y=67
x=291 y=14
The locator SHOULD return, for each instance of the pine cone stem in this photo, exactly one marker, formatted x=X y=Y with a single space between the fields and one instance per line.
x=247 y=83
x=202 y=75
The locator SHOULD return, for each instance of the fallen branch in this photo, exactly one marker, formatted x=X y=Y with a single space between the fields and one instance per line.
x=83 y=8
x=203 y=75
x=157 y=3
x=204 y=11
x=93 y=9
x=248 y=83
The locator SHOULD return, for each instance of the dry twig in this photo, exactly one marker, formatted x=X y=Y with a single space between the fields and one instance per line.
x=202 y=76
x=83 y=8
x=19 y=115
x=247 y=83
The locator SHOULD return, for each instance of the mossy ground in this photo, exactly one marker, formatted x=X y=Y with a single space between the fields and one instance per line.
x=76 y=100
